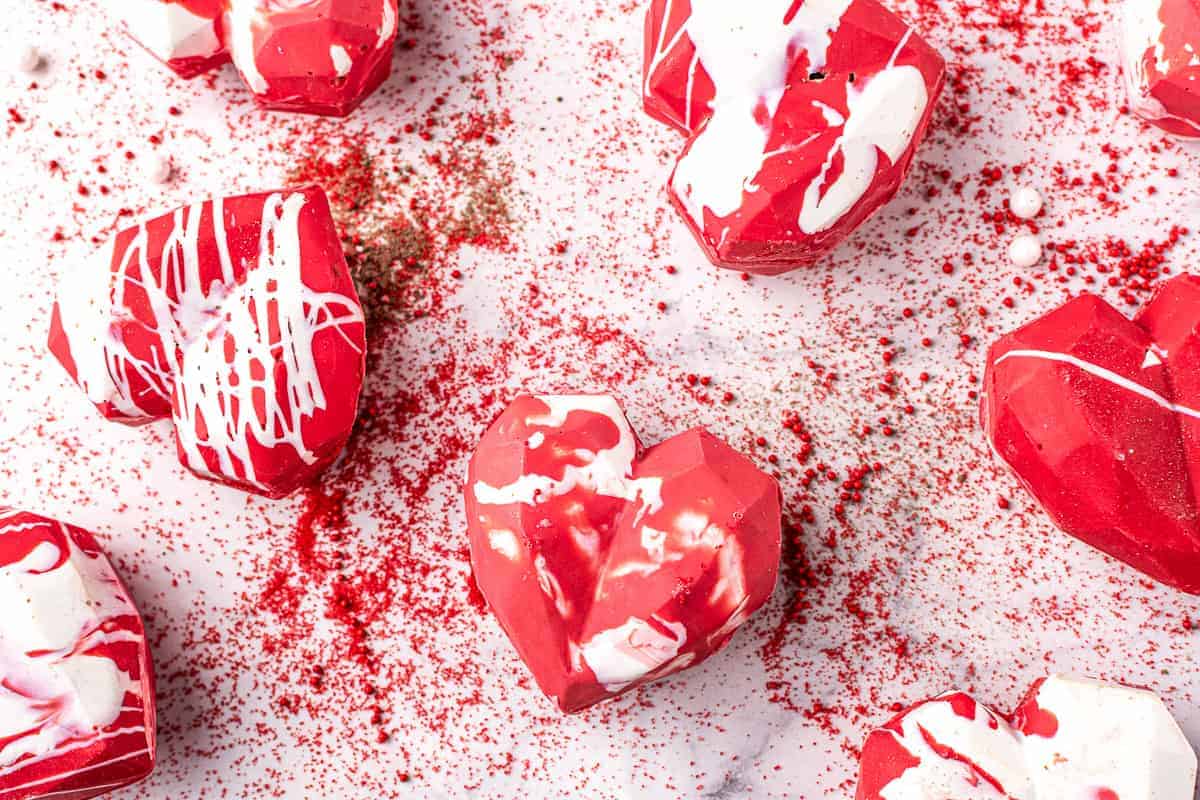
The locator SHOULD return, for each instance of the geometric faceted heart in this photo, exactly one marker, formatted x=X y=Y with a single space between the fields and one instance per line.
x=237 y=318
x=1099 y=417
x=1161 y=39
x=308 y=56
x=1071 y=739
x=607 y=565
x=77 y=710
x=803 y=119
x=316 y=57
x=183 y=34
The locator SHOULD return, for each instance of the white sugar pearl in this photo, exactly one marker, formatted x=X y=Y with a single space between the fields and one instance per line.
x=29 y=59
x=1026 y=203
x=1025 y=251
x=159 y=169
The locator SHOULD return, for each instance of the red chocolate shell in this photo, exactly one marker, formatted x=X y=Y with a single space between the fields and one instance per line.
x=802 y=118
x=607 y=565
x=77 y=706
x=1099 y=417
x=236 y=318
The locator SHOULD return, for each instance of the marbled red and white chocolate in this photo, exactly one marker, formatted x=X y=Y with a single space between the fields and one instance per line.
x=236 y=318
x=316 y=57
x=1071 y=739
x=309 y=56
x=802 y=116
x=607 y=565
x=1161 y=44
x=77 y=711
x=186 y=35
x=1099 y=417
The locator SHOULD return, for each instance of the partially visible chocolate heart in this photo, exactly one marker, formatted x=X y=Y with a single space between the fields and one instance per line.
x=77 y=707
x=1162 y=71
x=609 y=566
x=803 y=117
x=1071 y=739
x=312 y=56
x=1099 y=417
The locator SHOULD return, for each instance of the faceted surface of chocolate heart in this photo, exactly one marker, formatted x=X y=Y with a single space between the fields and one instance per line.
x=236 y=318
x=1161 y=39
x=1070 y=738
x=77 y=711
x=183 y=34
x=609 y=566
x=1099 y=417
x=308 y=56
x=316 y=57
x=803 y=117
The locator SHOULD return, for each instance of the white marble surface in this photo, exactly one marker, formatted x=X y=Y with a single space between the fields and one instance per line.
x=936 y=553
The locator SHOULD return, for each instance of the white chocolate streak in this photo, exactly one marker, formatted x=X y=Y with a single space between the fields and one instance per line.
x=243 y=17
x=52 y=692
x=1103 y=374
x=747 y=56
x=342 y=63
x=388 y=22
x=883 y=117
x=607 y=472
x=619 y=656
x=211 y=388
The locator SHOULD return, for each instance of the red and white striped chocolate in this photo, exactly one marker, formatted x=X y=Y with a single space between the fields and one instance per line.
x=236 y=318
x=609 y=566
x=186 y=35
x=77 y=711
x=315 y=57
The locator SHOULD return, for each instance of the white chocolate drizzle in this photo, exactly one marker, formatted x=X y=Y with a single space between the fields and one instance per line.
x=224 y=345
x=1107 y=375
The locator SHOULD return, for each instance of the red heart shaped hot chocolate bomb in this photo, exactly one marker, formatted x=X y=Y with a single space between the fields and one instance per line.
x=77 y=710
x=1071 y=739
x=236 y=318
x=315 y=57
x=1162 y=65
x=1099 y=417
x=309 y=56
x=607 y=565
x=803 y=117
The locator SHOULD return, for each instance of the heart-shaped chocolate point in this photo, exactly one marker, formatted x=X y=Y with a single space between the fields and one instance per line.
x=1099 y=417
x=609 y=566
